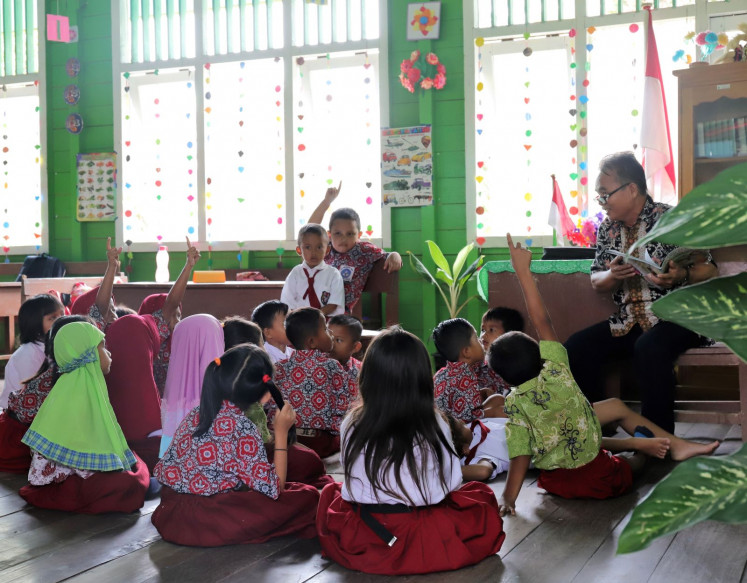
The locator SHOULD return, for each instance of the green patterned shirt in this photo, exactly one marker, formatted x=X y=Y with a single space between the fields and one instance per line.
x=550 y=418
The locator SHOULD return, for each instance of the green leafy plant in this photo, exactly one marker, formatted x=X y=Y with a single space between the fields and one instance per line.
x=712 y=215
x=449 y=280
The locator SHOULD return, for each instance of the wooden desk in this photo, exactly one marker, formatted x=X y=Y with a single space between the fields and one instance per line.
x=232 y=298
x=10 y=302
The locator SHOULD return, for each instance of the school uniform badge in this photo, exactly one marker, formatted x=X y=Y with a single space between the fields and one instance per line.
x=325 y=298
x=347 y=271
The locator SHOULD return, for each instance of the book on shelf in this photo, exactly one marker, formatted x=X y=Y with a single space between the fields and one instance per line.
x=646 y=265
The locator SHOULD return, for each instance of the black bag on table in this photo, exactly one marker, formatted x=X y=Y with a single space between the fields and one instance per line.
x=42 y=266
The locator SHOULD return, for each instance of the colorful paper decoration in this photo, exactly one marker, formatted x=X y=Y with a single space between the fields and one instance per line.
x=97 y=185
x=72 y=67
x=407 y=166
x=74 y=123
x=72 y=94
x=58 y=28
x=423 y=20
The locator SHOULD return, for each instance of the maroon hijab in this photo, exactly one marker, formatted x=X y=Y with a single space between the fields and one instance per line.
x=152 y=303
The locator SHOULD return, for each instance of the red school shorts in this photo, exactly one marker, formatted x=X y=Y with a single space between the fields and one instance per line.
x=606 y=476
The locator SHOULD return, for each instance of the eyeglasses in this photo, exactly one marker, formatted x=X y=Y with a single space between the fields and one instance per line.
x=603 y=198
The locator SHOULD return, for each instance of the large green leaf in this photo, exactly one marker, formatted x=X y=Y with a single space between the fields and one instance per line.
x=716 y=308
x=438 y=257
x=461 y=258
x=441 y=274
x=418 y=266
x=698 y=489
x=471 y=270
x=713 y=214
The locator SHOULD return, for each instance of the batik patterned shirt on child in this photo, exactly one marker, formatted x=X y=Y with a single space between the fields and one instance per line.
x=457 y=391
x=487 y=378
x=25 y=402
x=353 y=368
x=229 y=455
x=549 y=417
x=355 y=266
x=317 y=387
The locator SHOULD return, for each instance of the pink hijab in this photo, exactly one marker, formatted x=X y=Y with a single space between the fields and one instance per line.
x=196 y=341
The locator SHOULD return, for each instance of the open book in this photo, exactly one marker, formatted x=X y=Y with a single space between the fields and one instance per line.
x=646 y=265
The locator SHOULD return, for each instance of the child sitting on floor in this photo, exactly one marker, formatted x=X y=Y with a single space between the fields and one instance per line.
x=346 y=341
x=458 y=389
x=218 y=486
x=314 y=283
x=270 y=317
x=550 y=421
x=351 y=256
x=313 y=382
x=496 y=321
x=402 y=508
x=81 y=461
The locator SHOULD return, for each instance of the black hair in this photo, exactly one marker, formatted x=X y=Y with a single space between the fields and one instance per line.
x=456 y=435
x=238 y=330
x=49 y=361
x=300 y=325
x=352 y=323
x=396 y=415
x=345 y=214
x=265 y=313
x=314 y=229
x=238 y=378
x=515 y=357
x=31 y=316
x=626 y=168
x=121 y=310
x=451 y=336
x=511 y=319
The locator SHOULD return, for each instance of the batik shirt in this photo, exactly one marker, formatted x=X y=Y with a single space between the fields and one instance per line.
x=228 y=456
x=549 y=417
x=457 y=391
x=161 y=362
x=635 y=295
x=487 y=377
x=317 y=387
x=25 y=402
x=353 y=368
x=355 y=266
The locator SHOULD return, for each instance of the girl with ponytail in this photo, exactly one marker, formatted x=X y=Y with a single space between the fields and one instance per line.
x=218 y=486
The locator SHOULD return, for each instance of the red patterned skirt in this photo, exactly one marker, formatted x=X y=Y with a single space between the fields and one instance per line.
x=304 y=465
x=235 y=517
x=102 y=492
x=462 y=530
x=15 y=457
x=606 y=476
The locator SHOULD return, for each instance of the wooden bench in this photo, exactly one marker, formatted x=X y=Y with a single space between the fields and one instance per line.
x=574 y=305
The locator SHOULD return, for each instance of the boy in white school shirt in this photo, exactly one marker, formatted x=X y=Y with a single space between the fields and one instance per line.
x=314 y=283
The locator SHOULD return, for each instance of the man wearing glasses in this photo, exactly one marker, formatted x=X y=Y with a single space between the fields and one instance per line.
x=634 y=331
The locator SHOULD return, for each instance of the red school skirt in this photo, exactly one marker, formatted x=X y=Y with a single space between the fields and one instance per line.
x=147 y=450
x=304 y=465
x=462 y=530
x=102 y=492
x=606 y=476
x=15 y=457
x=235 y=517
x=323 y=443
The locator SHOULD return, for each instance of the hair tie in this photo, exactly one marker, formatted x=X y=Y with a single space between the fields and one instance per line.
x=217 y=361
x=266 y=379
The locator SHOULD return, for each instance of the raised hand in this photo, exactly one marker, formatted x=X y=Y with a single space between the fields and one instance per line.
x=112 y=254
x=332 y=193
x=193 y=254
x=520 y=257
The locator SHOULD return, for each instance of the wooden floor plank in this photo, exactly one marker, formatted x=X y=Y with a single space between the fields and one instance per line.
x=298 y=562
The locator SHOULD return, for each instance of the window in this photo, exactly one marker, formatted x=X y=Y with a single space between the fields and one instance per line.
x=234 y=124
x=22 y=144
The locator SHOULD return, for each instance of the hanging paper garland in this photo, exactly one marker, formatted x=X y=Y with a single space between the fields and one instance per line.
x=481 y=170
x=527 y=138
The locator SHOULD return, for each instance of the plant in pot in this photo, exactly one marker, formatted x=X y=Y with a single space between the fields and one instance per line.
x=713 y=215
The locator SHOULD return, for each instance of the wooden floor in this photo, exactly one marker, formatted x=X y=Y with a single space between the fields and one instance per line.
x=551 y=540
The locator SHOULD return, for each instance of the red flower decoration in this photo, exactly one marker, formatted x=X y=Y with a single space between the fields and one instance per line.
x=428 y=72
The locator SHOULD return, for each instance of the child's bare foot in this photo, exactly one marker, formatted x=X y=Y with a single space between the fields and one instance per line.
x=652 y=446
x=683 y=449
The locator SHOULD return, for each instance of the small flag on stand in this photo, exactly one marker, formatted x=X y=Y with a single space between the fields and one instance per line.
x=559 y=219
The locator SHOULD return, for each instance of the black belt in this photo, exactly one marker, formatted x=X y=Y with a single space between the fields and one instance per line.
x=379 y=529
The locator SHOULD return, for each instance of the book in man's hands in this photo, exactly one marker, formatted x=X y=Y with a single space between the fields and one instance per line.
x=681 y=256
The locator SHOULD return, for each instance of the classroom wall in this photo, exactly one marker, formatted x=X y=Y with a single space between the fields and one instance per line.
x=444 y=222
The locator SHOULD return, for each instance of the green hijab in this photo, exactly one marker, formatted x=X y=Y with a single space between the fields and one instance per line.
x=76 y=425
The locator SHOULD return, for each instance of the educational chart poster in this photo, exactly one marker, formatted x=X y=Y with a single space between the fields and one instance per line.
x=406 y=166
x=97 y=184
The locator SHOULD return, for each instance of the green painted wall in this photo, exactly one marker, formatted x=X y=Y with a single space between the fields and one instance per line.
x=444 y=222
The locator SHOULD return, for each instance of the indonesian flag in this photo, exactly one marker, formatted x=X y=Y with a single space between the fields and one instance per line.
x=656 y=145
x=559 y=218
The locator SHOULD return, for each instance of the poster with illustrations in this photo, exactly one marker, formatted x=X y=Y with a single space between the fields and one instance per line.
x=406 y=166
x=97 y=185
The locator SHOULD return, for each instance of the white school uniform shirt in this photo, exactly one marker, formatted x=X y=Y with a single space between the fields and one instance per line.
x=23 y=364
x=276 y=355
x=358 y=489
x=328 y=286
x=494 y=448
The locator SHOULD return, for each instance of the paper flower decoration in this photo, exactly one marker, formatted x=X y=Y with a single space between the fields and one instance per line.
x=428 y=72
x=424 y=20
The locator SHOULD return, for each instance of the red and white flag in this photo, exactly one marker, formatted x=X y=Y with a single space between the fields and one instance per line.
x=559 y=218
x=656 y=144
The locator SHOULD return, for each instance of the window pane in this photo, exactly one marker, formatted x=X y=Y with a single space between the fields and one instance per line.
x=20 y=195
x=244 y=151
x=159 y=170
x=336 y=137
